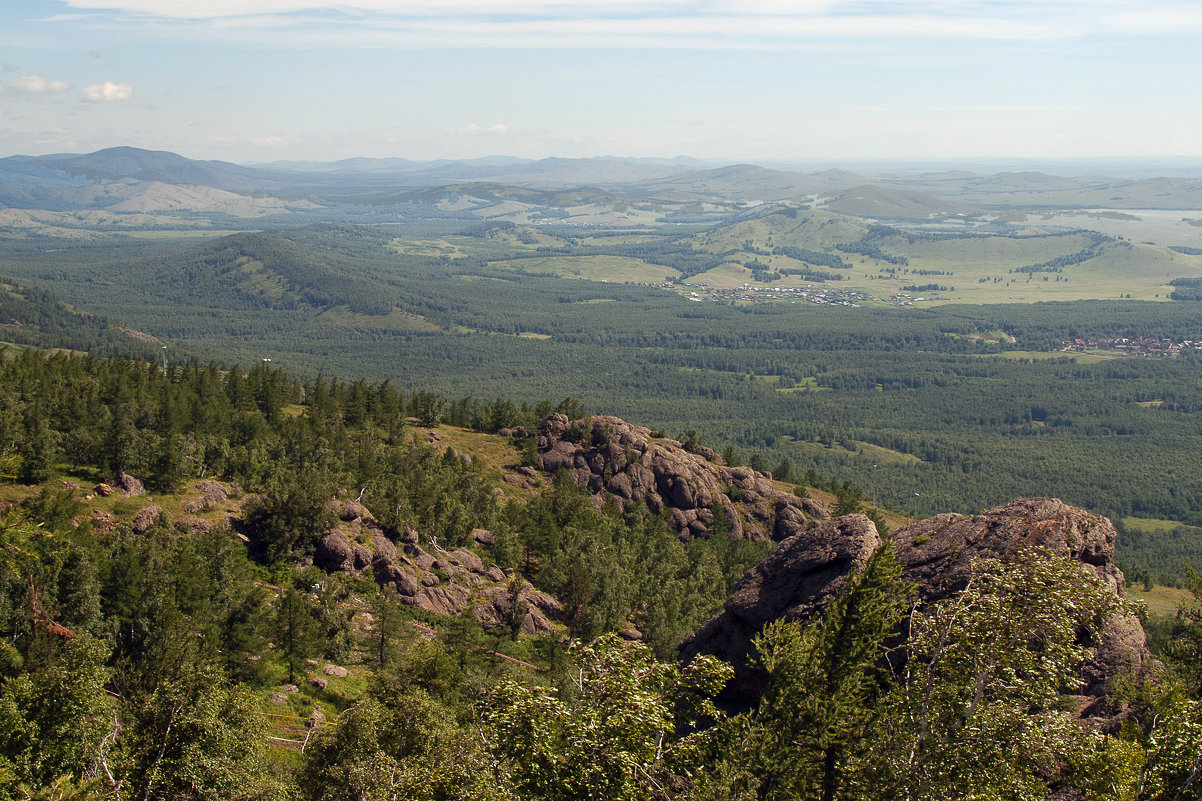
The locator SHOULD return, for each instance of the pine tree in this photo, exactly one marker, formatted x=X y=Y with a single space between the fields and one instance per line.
x=825 y=683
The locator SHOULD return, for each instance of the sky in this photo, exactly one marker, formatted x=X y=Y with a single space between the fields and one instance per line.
x=732 y=80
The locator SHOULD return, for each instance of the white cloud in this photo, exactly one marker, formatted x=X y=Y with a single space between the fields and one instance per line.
x=212 y=9
x=682 y=23
x=107 y=92
x=37 y=85
x=1152 y=20
x=473 y=128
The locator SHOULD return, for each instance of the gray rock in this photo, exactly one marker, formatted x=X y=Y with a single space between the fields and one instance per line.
x=938 y=553
x=211 y=493
x=486 y=615
x=129 y=485
x=799 y=578
x=536 y=623
x=335 y=553
x=144 y=519
x=387 y=573
x=382 y=547
x=622 y=462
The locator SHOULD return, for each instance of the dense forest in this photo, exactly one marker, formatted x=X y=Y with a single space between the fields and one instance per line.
x=161 y=660
x=947 y=408
x=385 y=480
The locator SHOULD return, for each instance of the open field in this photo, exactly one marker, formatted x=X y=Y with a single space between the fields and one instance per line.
x=1163 y=601
x=1151 y=524
x=865 y=452
x=968 y=266
x=594 y=268
x=1043 y=355
x=1162 y=226
x=1119 y=272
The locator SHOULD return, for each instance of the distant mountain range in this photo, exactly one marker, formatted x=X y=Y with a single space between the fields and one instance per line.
x=101 y=190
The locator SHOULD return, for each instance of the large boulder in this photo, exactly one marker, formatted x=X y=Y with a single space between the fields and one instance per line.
x=937 y=554
x=145 y=518
x=794 y=582
x=129 y=485
x=799 y=578
x=335 y=553
x=211 y=493
x=440 y=581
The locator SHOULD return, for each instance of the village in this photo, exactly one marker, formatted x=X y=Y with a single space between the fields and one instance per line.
x=747 y=293
x=1140 y=346
x=827 y=296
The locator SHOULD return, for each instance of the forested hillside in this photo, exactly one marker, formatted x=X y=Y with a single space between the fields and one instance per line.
x=928 y=409
x=167 y=634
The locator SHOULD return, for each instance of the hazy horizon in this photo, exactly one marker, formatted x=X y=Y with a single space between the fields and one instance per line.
x=1084 y=166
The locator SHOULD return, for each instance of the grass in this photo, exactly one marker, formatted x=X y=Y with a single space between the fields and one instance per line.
x=978 y=269
x=807 y=384
x=1044 y=355
x=203 y=233
x=1162 y=601
x=396 y=320
x=1152 y=524
x=864 y=450
x=618 y=269
x=879 y=455
x=427 y=247
x=725 y=276
x=16 y=349
x=493 y=454
x=893 y=519
x=123 y=508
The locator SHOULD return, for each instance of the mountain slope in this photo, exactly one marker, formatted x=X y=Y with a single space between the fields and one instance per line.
x=157 y=165
x=36 y=318
x=870 y=200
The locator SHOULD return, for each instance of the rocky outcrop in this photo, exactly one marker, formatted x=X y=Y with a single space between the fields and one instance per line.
x=432 y=578
x=937 y=554
x=794 y=582
x=799 y=578
x=211 y=494
x=129 y=485
x=625 y=464
x=145 y=518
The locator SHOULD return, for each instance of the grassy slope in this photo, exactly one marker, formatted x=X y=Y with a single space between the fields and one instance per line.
x=978 y=270
x=1162 y=601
